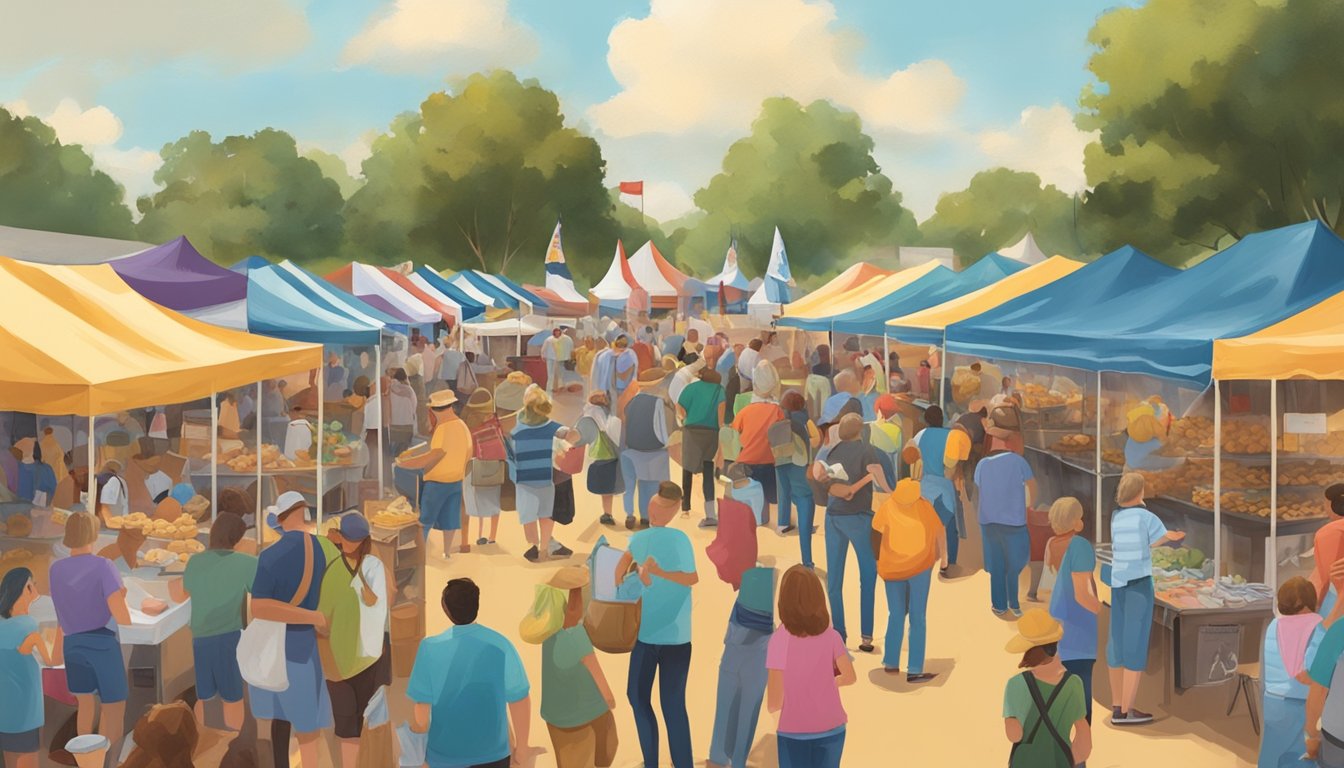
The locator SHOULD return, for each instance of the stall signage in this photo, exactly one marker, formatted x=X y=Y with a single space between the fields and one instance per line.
x=1304 y=424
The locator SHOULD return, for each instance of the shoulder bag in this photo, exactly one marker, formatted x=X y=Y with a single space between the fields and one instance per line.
x=261 y=648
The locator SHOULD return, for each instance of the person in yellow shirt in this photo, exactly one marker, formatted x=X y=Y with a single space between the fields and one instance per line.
x=908 y=540
x=445 y=466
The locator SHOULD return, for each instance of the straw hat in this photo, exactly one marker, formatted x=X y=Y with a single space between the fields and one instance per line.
x=1036 y=627
x=652 y=377
x=444 y=398
x=481 y=400
x=569 y=577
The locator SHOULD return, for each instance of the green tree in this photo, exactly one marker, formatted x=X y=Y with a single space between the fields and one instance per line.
x=1215 y=120
x=477 y=179
x=47 y=185
x=998 y=208
x=334 y=168
x=808 y=170
x=243 y=195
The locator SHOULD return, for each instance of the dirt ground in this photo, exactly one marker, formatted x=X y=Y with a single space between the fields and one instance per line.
x=953 y=721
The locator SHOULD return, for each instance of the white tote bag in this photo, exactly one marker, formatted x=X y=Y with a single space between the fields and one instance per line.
x=261 y=648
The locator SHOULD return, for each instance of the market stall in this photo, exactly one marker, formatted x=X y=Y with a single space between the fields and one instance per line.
x=373 y=286
x=177 y=276
x=776 y=289
x=428 y=279
x=82 y=342
x=1145 y=344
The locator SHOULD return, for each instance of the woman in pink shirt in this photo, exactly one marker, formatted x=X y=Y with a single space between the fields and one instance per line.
x=807 y=664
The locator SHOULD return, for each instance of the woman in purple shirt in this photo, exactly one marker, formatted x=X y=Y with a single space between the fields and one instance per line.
x=90 y=603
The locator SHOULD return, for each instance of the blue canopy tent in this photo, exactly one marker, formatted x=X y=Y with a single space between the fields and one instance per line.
x=471 y=308
x=248 y=264
x=522 y=293
x=993 y=333
x=1168 y=329
x=337 y=299
x=504 y=292
x=939 y=285
x=285 y=309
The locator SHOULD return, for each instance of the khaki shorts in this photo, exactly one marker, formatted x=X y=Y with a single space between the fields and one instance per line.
x=591 y=744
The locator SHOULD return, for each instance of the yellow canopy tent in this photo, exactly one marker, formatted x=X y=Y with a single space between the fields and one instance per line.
x=940 y=316
x=856 y=276
x=78 y=340
x=815 y=305
x=1309 y=344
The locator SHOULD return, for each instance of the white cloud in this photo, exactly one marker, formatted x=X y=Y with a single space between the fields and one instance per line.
x=92 y=127
x=663 y=200
x=706 y=65
x=432 y=35
x=132 y=168
x=1044 y=141
x=69 y=47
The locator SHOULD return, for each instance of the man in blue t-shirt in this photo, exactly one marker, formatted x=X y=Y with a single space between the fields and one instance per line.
x=1006 y=488
x=665 y=563
x=468 y=684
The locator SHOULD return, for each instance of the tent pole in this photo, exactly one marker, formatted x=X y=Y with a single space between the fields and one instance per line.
x=258 y=446
x=886 y=361
x=1218 y=480
x=214 y=453
x=321 y=442
x=1097 y=534
x=378 y=396
x=91 y=482
x=1272 y=567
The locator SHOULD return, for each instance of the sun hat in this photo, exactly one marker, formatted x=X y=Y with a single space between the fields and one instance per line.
x=569 y=577
x=1036 y=627
x=354 y=527
x=444 y=398
x=286 y=501
x=651 y=377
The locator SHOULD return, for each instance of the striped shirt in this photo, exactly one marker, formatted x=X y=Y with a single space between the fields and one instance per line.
x=534 y=452
x=1134 y=531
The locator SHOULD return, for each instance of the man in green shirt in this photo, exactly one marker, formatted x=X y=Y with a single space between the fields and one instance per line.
x=701 y=406
x=354 y=600
x=217 y=582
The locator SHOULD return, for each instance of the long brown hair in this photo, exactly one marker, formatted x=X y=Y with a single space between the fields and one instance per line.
x=802 y=603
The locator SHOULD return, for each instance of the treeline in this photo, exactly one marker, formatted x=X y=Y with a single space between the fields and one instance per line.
x=1219 y=135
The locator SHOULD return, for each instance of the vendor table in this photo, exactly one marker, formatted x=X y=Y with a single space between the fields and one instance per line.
x=342 y=477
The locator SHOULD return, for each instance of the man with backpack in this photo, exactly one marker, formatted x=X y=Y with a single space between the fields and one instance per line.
x=908 y=540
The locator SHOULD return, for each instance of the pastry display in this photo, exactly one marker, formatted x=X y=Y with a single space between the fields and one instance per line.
x=396 y=514
x=1074 y=443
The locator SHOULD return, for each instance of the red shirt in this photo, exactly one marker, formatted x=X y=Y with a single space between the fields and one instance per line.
x=753 y=424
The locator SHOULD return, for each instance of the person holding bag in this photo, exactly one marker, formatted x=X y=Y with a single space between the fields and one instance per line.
x=354 y=650
x=604 y=470
x=286 y=592
x=487 y=470
x=1042 y=705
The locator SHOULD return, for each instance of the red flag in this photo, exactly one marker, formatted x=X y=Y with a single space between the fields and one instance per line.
x=632 y=187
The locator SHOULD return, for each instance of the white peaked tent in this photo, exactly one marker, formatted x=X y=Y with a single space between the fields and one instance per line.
x=730 y=276
x=616 y=285
x=558 y=277
x=1024 y=250
x=775 y=291
x=654 y=274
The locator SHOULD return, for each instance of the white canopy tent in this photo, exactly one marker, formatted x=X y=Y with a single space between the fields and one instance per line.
x=366 y=280
x=1024 y=250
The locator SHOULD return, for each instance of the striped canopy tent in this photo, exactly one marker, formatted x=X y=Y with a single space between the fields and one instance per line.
x=429 y=280
x=665 y=284
x=374 y=286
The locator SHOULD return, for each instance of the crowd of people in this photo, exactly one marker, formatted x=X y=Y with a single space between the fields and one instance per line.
x=776 y=440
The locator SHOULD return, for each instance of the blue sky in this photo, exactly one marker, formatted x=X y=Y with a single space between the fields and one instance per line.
x=946 y=88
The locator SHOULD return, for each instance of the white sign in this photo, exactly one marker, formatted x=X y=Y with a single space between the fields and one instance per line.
x=1304 y=424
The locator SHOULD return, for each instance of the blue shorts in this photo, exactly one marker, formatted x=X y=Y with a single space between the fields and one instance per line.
x=305 y=704
x=217 y=672
x=93 y=664
x=21 y=743
x=1131 y=625
x=441 y=506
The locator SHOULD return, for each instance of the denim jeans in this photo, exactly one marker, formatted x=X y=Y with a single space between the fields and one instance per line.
x=1007 y=550
x=672 y=665
x=907 y=597
x=941 y=492
x=842 y=532
x=795 y=492
x=1083 y=669
x=811 y=753
x=742 y=678
x=646 y=488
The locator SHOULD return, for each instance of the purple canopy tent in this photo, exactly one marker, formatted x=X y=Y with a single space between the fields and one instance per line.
x=177 y=276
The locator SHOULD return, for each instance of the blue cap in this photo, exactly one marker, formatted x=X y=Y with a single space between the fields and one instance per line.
x=354 y=527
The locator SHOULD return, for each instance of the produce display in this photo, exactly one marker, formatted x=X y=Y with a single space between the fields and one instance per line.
x=1178 y=559
x=395 y=514
x=244 y=460
x=337 y=448
x=1291 y=506
x=1227 y=592
x=1074 y=443
x=19 y=526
